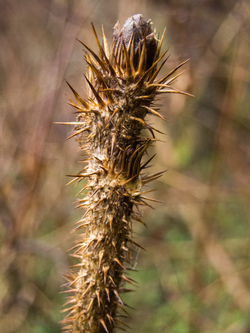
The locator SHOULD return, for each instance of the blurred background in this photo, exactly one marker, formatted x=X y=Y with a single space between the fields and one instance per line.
x=195 y=274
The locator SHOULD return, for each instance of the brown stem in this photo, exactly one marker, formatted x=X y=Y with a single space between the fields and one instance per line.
x=122 y=86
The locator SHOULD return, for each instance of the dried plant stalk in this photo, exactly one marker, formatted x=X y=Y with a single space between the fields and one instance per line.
x=122 y=84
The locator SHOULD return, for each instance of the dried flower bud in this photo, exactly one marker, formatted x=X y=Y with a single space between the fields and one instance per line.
x=134 y=33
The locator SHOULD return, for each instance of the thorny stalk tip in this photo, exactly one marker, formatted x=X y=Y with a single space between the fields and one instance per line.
x=123 y=84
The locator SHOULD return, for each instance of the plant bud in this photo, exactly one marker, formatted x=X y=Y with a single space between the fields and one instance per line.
x=134 y=33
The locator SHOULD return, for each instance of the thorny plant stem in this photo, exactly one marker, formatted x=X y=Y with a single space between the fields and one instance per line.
x=123 y=84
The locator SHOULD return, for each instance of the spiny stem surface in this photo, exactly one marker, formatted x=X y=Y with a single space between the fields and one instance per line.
x=122 y=85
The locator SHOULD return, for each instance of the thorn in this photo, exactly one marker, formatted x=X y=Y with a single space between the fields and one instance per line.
x=143 y=58
x=96 y=71
x=155 y=112
x=151 y=69
x=139 y=120
x=136 y=244
x=165 y=77
x=111 y=320
x=113 y=141
x=129 y=180
x=96 y=94
x=144 y=97
x=125 y=221
x=90 y=305
x=108 y=121
x=78 y=98
x=101 y=254
x=122 y=308
x=98 y=297
x=125 y=290
x=78 y=132
x=103 y=324
x=118 y=262
x=110 y=222
x=114 y=244
x=118 y=297
x=152 y=78
x=103 y=55
x=70 y=301
x=151 y=199
x=91 y=284
x=113 y=282
x=174 y=91
x=69 y=309
x=72 y=181
x=107 y=292
x=143 y=166
x=139 y=220
x=129 y=280
x=105 y=269
x=100 y=62
x=160 y=44
x=100 y=237
x=123 y=323
x=97 y=41
x=171 y=80
x=127 y=59
x=105 y=43
x=131 y=48
x=152 y=177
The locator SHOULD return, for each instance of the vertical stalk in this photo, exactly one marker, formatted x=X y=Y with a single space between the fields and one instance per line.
x=122 y=83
